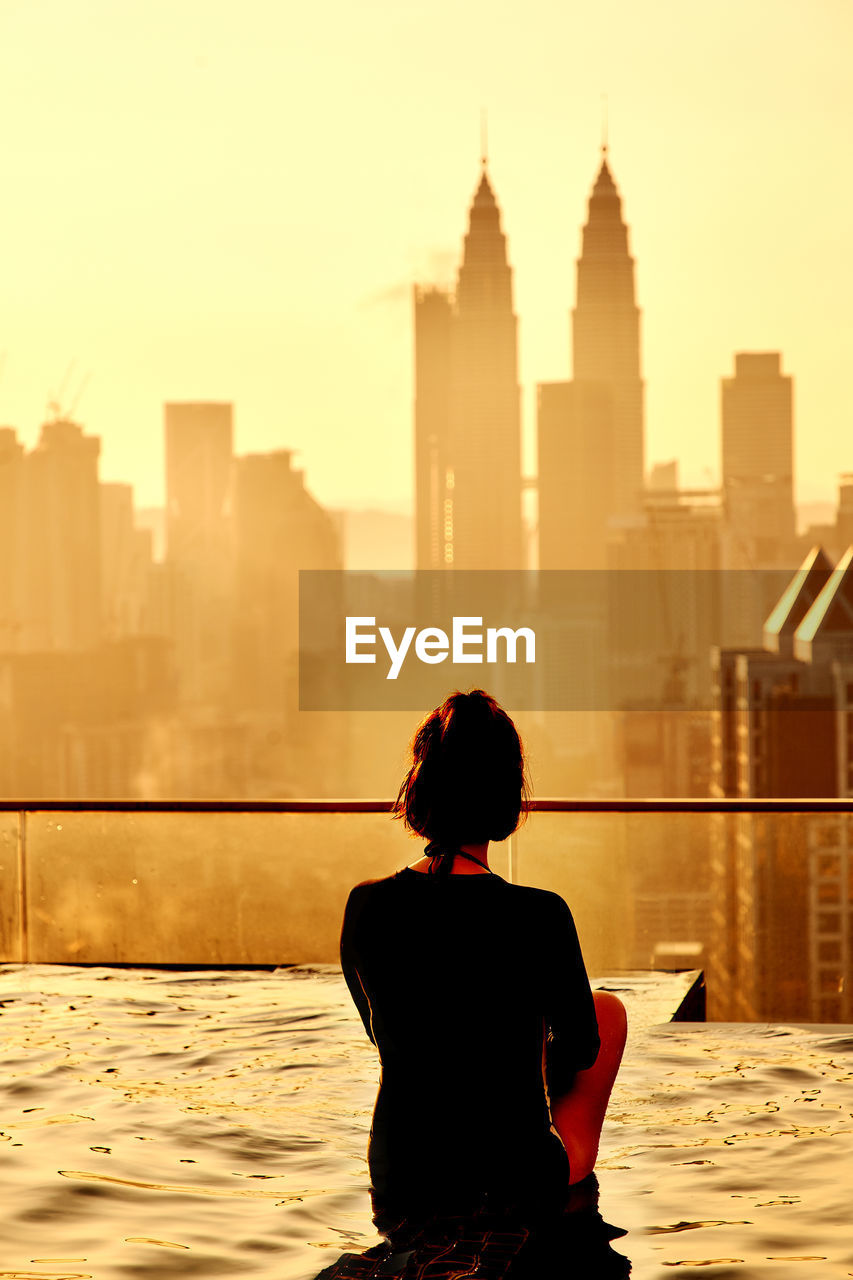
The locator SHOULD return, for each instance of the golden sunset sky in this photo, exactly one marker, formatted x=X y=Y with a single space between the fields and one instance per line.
x=206 y=199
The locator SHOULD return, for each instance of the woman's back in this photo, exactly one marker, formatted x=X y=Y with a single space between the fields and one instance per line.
x=455 y=978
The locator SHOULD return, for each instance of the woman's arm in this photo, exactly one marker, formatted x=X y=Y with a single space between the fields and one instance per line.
x=350 y=955
x=571 y=1028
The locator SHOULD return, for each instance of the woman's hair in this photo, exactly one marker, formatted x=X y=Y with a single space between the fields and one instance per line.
x=467 y=783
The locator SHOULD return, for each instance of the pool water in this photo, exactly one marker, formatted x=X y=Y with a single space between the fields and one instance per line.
x=160 y=1123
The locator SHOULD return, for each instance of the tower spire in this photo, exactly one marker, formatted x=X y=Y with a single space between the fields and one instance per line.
x=606 y=336
x=484 y=138
x=604 y=126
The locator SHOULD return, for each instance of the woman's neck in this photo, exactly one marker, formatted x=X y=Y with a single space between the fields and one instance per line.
x=462 y=866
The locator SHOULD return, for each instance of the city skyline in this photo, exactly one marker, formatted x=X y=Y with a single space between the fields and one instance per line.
x=240 y=212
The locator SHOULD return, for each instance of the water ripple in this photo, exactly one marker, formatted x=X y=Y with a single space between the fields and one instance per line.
x=194 y=1123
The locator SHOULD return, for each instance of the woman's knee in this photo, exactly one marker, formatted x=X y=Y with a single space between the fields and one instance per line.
x=580 y=1115
x=612 y=1031
x=611 y=1015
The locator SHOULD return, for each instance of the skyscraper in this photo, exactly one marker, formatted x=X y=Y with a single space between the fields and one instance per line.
x=199 y=461
x=576 y=468
x=606 y=334
x=467 y=407
x=783 y=727
x=590 y=430
x=433 y=328
x=12 y=546
x=199 y=456
x=278 y=528
x=126 y=566
x=758 y=446
x=61 y=541
x=844 y=519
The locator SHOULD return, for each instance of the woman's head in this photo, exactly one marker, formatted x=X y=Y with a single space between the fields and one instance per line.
x=467 y=783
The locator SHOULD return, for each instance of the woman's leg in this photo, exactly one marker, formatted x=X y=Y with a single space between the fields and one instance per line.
x=579 y=1115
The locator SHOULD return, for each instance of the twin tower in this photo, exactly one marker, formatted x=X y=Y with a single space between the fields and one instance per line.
x=468 y=468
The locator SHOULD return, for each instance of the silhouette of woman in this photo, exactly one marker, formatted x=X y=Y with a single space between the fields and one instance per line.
x=468 y=985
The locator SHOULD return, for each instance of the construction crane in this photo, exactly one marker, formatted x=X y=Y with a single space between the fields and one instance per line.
x=55 y=410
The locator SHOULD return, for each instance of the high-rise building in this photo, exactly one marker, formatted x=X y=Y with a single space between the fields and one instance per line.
x=758 y=452
x=278 y=528
x=844 y=519
x=82 y=675
x=664 y=615
x=61 y=607
x=467 y=408
x=606 y=334
x=663 y=477
x=783 y=717
x=199 y=456
x=575 y=481
x=126 y=566
x=11 y=539
x=666 y=606
x=590 y=430
x=199 y=461
x=433 y=329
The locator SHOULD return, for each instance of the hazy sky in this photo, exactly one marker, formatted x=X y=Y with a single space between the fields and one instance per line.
x=206 y=199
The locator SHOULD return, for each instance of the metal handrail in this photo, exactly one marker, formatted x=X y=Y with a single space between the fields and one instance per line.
x=689 y=804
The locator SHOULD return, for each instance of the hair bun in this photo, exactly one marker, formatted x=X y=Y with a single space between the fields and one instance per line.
x=467 y=780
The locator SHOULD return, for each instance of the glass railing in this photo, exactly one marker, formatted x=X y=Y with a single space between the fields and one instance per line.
x=758 y=894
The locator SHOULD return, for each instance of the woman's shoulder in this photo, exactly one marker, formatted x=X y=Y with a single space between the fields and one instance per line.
x=363 y=900
x=369 y=888
x=544 y=898
x=542 y=903
x=530 y=898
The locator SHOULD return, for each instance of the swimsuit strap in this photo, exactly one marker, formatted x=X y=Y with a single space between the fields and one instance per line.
x=434 y=850
x=460 y=853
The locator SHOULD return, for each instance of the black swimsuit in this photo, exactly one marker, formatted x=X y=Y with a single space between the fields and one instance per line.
x=454 y=977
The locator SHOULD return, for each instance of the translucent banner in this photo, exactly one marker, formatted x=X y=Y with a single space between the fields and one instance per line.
x=569 y=640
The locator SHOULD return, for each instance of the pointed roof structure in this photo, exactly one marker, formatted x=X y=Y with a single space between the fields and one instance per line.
x=606 y=340
x=484 y=281
x=605 y=351
x=604 y=184
x=479 y=503
x=826 y=632
x=484 y=196
x=796 y=601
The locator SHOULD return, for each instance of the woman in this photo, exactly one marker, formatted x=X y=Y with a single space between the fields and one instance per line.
x=462 y=981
